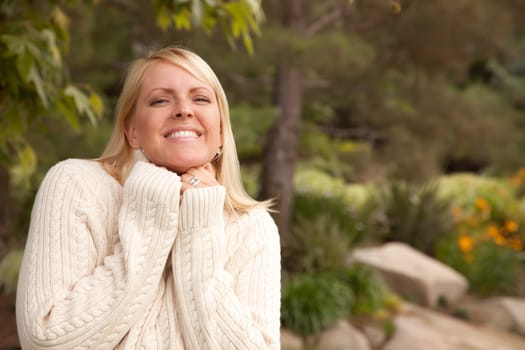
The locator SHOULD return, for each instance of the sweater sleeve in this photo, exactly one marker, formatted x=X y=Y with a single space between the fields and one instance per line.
x=60 y=303
x=219 y=310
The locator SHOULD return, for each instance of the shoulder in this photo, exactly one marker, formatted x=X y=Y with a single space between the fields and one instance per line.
x=80 y=175
x=257 y=226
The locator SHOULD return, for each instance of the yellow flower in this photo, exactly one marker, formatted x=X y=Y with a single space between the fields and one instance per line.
x=511 y=226
x=482 y=204
x=465 y=243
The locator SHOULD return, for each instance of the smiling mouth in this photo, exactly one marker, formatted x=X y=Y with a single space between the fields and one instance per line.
x=181 y=134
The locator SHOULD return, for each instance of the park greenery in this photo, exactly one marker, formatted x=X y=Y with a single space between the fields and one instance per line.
x=400 y=121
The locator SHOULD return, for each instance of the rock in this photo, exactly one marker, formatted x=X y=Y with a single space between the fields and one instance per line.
x=417 y=328
x=502 y=312
x=413 y=274
x=343 y=336
x=290 y=340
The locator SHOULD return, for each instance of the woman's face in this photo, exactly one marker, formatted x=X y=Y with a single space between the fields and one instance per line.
x=176 y=120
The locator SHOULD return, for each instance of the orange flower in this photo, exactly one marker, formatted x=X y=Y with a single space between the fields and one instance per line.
x=457 y=213
x=482 y=204
x=511 y=226
x=515 y=243
x=472 y=221
x=493 y=232
x=465 y=243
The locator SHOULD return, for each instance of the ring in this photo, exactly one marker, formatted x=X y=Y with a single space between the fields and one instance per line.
x=194 y=181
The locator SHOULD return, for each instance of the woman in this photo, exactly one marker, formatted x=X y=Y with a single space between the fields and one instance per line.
x=155 y=245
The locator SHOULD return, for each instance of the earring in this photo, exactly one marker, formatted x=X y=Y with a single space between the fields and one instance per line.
x=218 y=154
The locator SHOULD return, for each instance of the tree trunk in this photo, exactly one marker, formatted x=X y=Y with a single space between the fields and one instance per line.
x=280 y=154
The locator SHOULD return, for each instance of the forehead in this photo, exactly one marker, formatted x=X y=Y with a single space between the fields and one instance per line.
x=164 y=73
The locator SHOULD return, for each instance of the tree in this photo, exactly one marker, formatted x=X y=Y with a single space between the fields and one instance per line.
x=302 y=21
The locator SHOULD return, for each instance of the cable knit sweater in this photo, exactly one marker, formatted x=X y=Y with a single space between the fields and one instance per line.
x=138 y=266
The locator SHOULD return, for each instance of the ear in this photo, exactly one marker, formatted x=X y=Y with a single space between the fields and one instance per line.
x=131 y=135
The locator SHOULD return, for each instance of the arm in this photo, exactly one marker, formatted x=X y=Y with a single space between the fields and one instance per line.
x=66 y=302
x=219 y=310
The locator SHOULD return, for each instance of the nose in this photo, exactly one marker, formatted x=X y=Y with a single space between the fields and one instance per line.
x=182 y=110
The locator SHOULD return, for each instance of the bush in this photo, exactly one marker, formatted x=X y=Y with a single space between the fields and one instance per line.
x=311 y=303
x=487 y=239
x=414 y=214
x=371 y=294
x=489 y=267
x=318 y=244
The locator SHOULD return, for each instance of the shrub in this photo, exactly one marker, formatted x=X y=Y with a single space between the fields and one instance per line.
x=371 y=294
x=311 y=303
x=487 y=239
x=318 y=243
x=414 y=214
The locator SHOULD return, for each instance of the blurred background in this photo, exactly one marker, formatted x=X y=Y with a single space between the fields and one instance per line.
x=370 y=122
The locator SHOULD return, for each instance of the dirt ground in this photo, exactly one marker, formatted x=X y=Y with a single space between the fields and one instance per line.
x=8 y=334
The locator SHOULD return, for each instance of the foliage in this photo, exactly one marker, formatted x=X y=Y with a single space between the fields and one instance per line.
x=487 y=242
x=311 y=180
x=490 y=268
x=9 y=268
x=311 y=303
x=238 y=19
x=249 y=139
x=337 y=157
x=414 y=214
x=329 y=218
x=318 y=243
x=34 y=80
x=371 y=294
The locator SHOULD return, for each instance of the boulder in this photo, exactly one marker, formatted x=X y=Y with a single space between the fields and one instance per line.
x=505 y=313
x=417 y=328
x=343 y=336
x=412 y=274
x=290 y=340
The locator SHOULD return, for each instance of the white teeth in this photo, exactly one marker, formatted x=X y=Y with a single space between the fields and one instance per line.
x=182 y=133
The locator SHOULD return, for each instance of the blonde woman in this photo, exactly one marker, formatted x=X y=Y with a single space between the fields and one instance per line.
x=155 y=245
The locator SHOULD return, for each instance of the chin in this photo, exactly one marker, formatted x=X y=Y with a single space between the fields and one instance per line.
x=182 y=167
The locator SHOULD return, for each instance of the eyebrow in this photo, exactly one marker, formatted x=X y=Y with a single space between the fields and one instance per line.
x=172 y=91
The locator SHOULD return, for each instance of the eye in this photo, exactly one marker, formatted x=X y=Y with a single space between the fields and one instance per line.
x=202 y=99
x=159 y=101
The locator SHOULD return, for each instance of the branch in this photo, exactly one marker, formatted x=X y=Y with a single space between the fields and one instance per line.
x=324 y=21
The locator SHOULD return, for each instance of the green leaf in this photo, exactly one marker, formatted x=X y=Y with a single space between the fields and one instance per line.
x=15 y=122
x=96 y=103
x=69 y=112
x=82 y=102
x=24 y=63
x=34 y=76
x=182 y=19
x=14 y=44
x=20 y=173
x=163 y=18
x=52 y=47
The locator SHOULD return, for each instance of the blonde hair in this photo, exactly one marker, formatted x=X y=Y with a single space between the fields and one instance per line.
x=118 y=157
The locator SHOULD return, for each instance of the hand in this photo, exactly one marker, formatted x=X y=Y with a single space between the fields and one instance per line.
x=205 y=176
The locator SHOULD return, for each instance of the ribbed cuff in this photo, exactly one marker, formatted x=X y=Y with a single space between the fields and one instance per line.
x=147 y=180
x=202 y=207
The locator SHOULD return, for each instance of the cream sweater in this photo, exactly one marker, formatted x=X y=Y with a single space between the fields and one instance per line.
x=108 y=266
